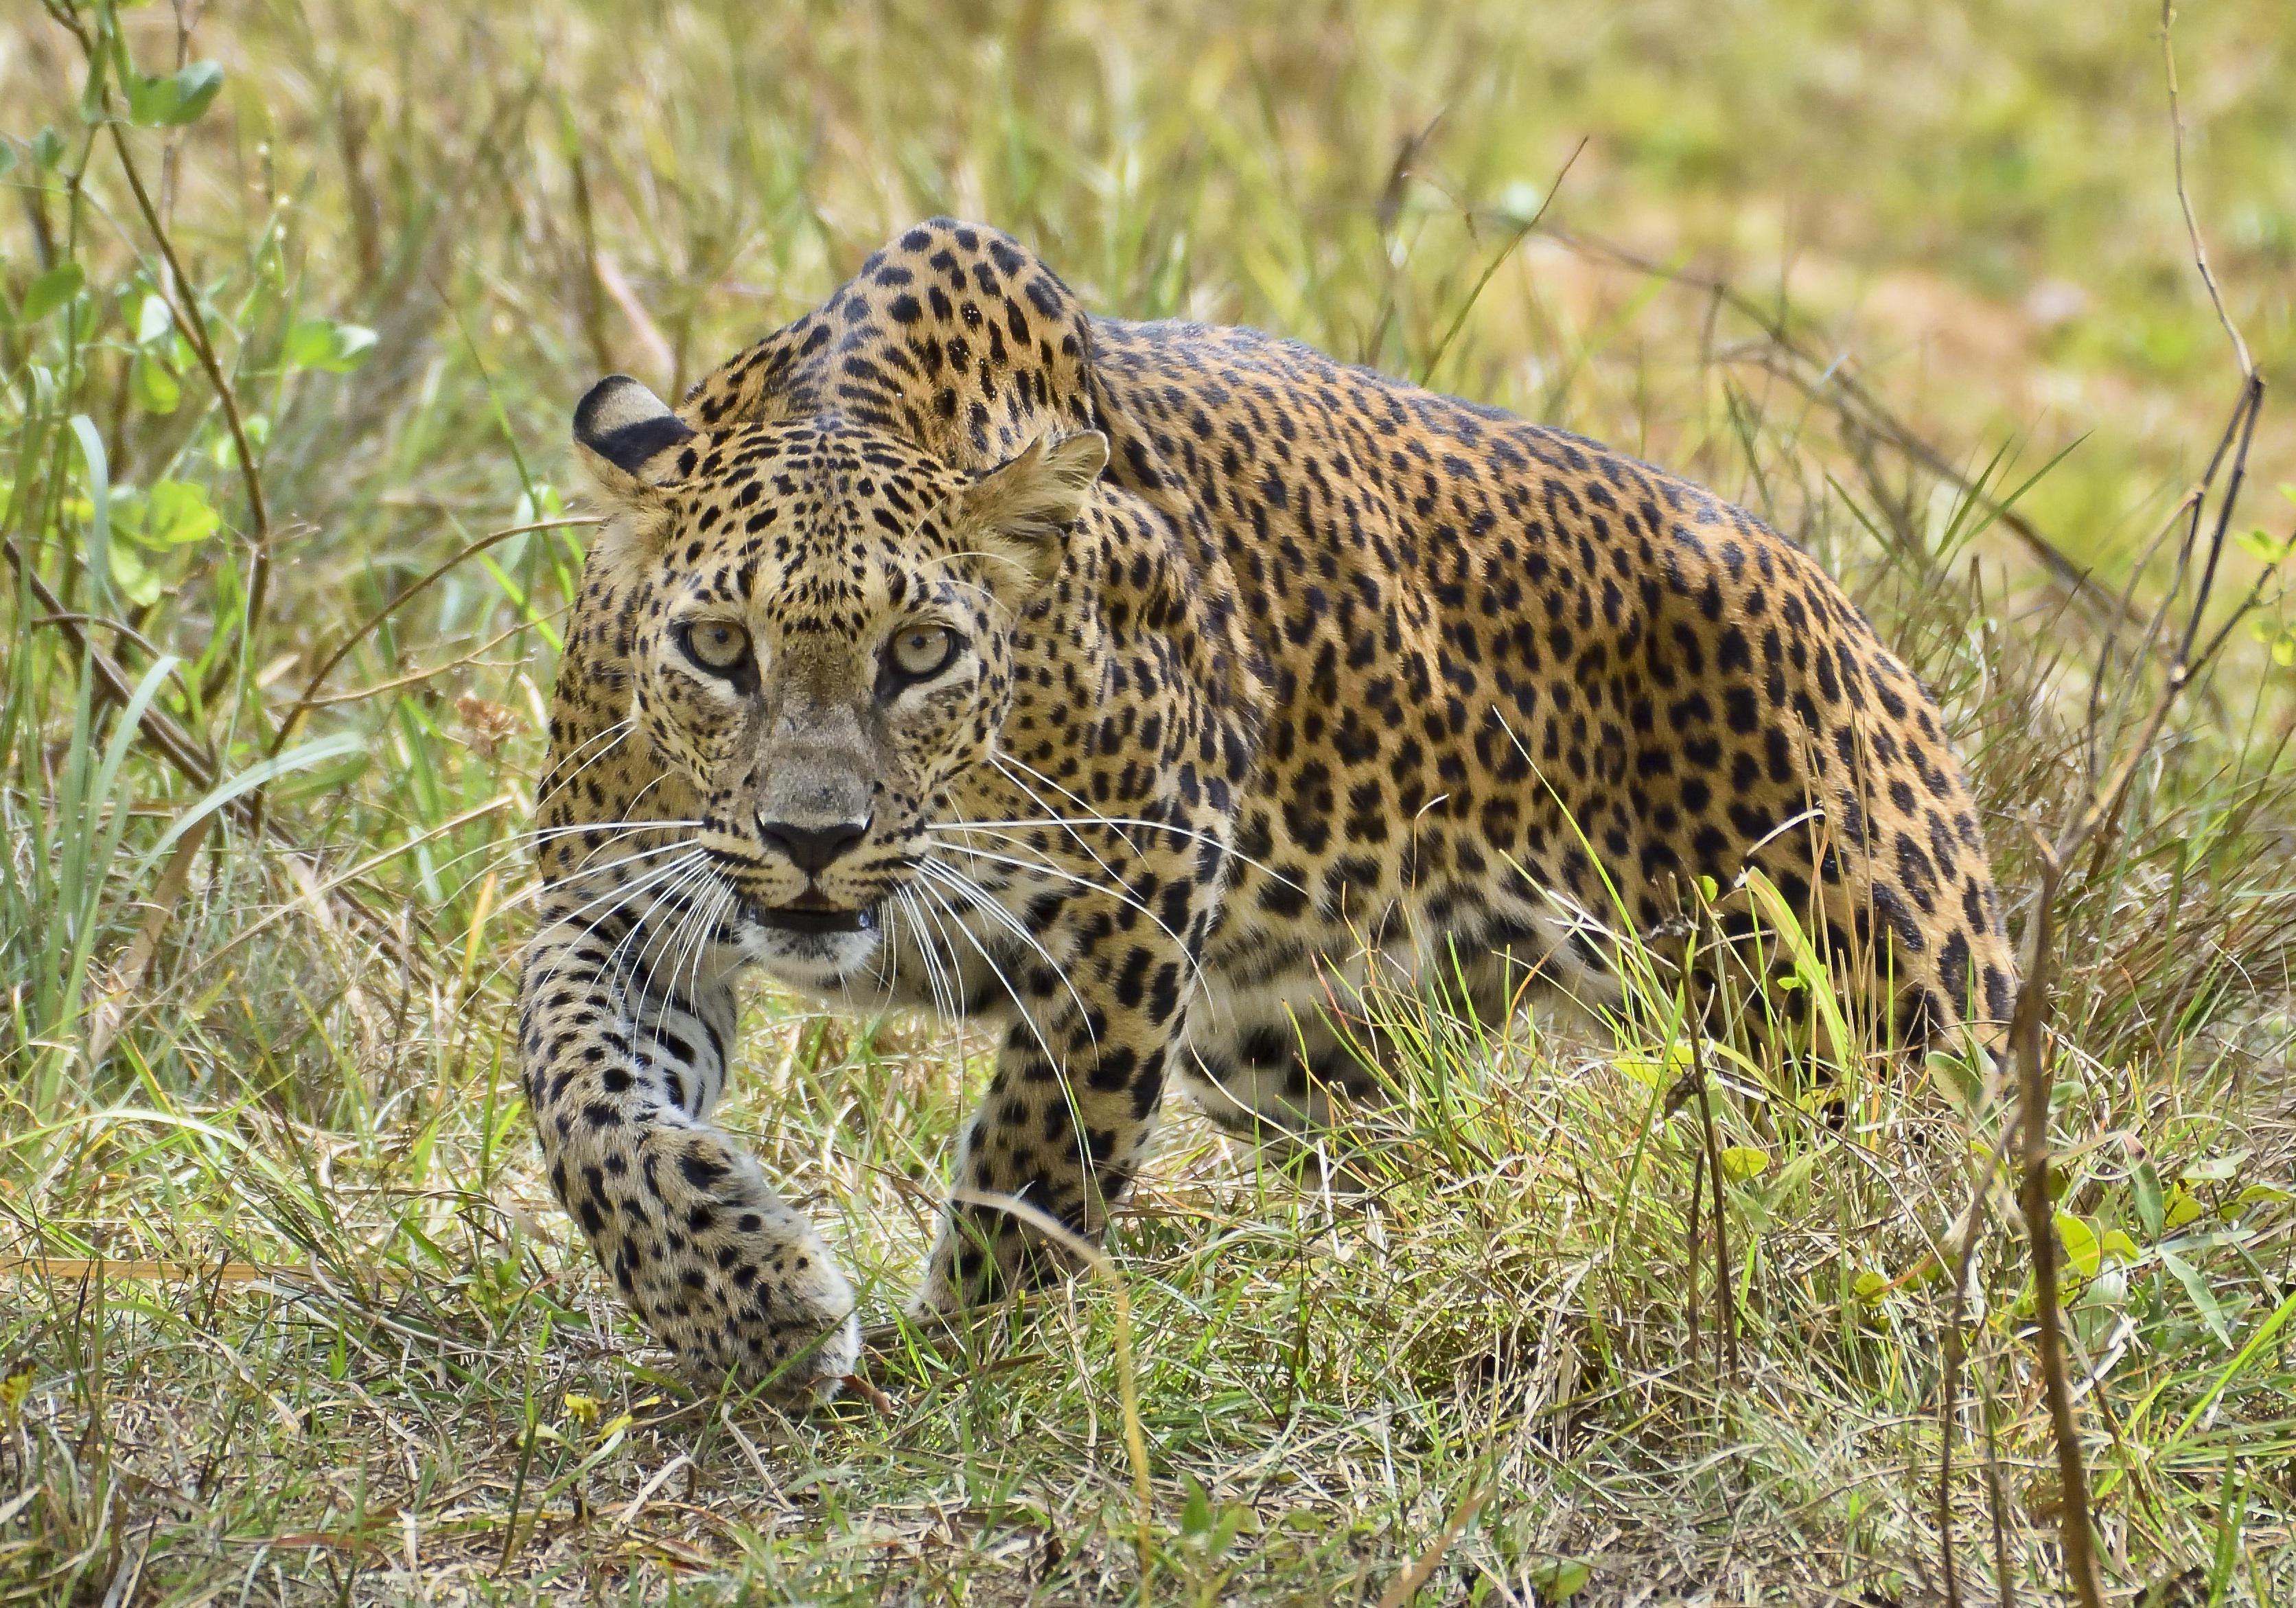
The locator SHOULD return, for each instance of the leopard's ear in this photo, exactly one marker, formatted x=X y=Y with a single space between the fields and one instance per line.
x=627 y=437
x=1022 y=508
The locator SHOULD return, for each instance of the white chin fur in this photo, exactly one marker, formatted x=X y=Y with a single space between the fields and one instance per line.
x=819 y=963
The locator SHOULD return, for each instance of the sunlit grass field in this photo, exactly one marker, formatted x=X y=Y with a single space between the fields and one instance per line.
x=295 y=300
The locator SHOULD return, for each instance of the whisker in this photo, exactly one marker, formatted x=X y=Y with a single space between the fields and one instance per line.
x=529 y=895
x=1052 y=815
x=1060 y=1071
x=888 y=972
x=693 y=941
x=982 y=900
x=508 y=849
x=1047 y=868
x=1116 y=889
x=1094 y=817
x=946 y=1004
x=526 y=896
x=996 y=971
x=692 y=938
x=645 y=925
x=615 y=898
x=618 y=731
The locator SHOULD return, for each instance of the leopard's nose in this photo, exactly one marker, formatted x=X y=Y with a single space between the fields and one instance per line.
x=812 y=848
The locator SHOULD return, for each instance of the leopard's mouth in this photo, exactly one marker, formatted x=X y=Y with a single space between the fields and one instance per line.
x=812 y=914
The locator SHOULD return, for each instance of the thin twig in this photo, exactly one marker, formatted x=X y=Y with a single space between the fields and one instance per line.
x=182 y=304
x=1690 y=1261
x=182 y=301
x=2184 y=198
x=310 y=697
x=178 y=748
x=1997 y=1503
x=174 y=744
x=1407 y=1584
x=1523 y=231
x=2097 y=819
x=2033 y=1081
x=2028 y=1021
x=134 y=964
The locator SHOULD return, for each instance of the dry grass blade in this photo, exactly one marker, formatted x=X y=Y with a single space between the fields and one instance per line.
x=1422 y=1567
x=1128 y=1375
x=67 y=1269
x=134 y=964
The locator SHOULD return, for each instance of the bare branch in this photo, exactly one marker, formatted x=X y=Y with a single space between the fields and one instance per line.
x=2184 y=198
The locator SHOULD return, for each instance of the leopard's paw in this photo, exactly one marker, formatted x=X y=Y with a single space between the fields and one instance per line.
x=795 y=1346
x=754 y=1302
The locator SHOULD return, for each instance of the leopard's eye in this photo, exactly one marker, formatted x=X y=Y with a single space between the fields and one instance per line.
x=918 y=651
x=719 y=646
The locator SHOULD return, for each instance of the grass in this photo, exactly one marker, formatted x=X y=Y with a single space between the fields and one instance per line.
x=263 y=880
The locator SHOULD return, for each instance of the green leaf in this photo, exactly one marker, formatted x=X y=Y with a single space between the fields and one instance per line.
x=1521 y=201
x=309 y=341
x=2263 y=1195
x=1649 y=1071
x=1744 y=1161
x=2083 y=1251
x=1196 y=1512
x=2118 y=1246
x=177 y=513
x=353 y=342
x=301 y=757
x=257 y=427
x=2146 y=1185
x=153 y=320
x=51 y=291
x=540 y=502
x=1870 y=1287
x=47 y=148
x=176 y=100
x=99 y=493
x=2180 y=1208
x=139 y=583
x=7 y=156
x=2108 y=1290
x=1224 y=1533
x=1559 y=1579
x=2284 y=652
x=2265 y=547
x=322 y=343
x=156 y=390
x=2204 y=1299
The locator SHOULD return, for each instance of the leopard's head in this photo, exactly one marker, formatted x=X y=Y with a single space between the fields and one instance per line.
x=820 y=624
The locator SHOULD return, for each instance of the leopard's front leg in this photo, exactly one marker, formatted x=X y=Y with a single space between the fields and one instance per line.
x=621 y=1067
x=1073 y=1101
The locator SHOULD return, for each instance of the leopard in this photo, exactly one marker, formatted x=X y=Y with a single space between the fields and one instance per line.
x=1128 y=692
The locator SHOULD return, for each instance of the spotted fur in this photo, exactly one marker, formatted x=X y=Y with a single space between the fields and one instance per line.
x=1321 y=673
